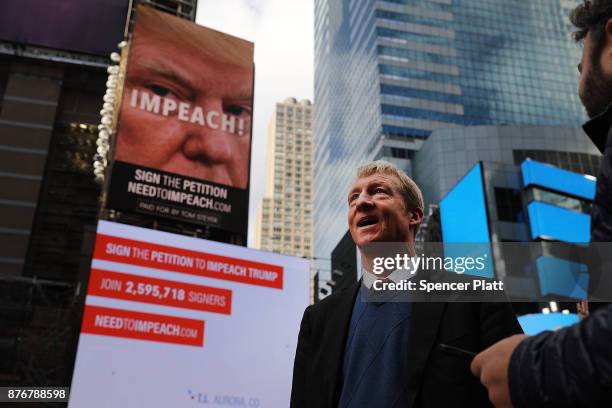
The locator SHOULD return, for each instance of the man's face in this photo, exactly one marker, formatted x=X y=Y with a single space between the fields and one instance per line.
x=178 y=142
x=377 y=212
x=595 y=86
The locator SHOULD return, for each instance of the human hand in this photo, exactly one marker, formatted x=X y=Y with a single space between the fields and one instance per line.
x=491 y=367
x=583 y=309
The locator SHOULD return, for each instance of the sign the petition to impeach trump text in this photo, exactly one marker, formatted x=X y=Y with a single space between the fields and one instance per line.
x=176 y=321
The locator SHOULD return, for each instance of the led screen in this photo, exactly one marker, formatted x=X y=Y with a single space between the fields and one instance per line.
x=535 y=323
x=92 y=26
x=184 y=135
x=463 y=214
x=558 y=224
x=562 y=277
x=554 y=178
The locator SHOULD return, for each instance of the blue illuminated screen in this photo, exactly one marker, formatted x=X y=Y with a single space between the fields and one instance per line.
x=554 y=178
x=463 y=211
x=463 y=214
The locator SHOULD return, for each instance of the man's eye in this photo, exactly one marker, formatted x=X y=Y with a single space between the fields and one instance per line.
x=235 y=110
x=159 y=90
x=379 y=190
x=353 y=197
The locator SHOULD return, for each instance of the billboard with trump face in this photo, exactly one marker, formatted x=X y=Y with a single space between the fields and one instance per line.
x=184 y=136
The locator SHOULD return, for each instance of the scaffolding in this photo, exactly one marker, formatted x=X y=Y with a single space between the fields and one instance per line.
x=39 y=325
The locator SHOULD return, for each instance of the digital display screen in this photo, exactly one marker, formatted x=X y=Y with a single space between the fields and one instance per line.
x=463 y=214
x=184 y=134
x=92 y=26
x=554 y=178
x=550 y=222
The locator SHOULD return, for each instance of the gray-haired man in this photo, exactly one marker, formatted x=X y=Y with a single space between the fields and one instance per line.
x=354 y=353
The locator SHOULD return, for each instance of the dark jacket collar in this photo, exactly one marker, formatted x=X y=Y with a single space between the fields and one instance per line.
x=598 y=128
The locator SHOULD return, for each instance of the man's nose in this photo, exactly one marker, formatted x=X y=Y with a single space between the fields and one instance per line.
x=209 y=143
x=364 y=201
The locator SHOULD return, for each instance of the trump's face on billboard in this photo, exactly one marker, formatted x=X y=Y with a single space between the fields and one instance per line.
x=187 y=103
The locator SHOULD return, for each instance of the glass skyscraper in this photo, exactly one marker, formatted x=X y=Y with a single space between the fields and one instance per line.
x=388 y=72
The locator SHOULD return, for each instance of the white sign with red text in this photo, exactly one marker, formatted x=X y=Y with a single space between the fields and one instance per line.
x=175 y=321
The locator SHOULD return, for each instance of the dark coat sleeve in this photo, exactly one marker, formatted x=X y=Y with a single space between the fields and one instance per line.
x=299 y=387
x=446 y=379
x=497 y=321
x=601 y=213
x=571 y=367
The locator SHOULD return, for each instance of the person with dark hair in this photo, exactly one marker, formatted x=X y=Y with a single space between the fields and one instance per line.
x=573 y=366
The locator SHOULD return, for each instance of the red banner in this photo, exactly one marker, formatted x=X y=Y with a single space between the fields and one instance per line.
x=128 y=251
x=143 y=326
x=159 y=291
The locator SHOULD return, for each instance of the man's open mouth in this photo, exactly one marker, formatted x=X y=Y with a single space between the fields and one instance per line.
x=366 y=221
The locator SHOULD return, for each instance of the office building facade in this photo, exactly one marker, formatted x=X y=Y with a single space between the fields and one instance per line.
x=460 y=148
x=284 y=219
x=546 y=208
x=389 y=72
x=516 y=184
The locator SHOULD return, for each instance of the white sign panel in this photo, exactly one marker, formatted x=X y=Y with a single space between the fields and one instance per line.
x=174 y=321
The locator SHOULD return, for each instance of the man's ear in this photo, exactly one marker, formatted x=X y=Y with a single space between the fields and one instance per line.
x=416 y=217
x=606 y=53
x=608 y=29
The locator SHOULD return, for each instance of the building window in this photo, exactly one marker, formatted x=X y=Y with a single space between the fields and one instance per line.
x=577 y=162
x=559 y=200
x=509 y=204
